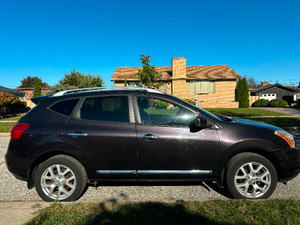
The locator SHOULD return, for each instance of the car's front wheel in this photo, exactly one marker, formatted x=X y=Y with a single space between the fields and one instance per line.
x=60 y=178
x=250 y=176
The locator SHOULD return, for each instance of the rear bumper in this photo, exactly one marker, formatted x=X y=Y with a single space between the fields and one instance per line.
x=18 y=161
x=16 y=167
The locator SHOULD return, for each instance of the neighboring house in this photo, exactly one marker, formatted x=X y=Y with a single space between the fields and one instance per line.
x=211 y=86
x=29 y=91
x=298 y=99
x=273 y=91
x=20 y=94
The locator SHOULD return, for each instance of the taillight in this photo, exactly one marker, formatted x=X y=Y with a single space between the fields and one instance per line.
x=18 y=130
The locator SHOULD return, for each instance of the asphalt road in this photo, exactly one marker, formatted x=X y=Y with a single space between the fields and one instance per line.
x=15 y=190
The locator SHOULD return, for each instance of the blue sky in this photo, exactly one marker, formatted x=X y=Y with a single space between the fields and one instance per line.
x=50 y=38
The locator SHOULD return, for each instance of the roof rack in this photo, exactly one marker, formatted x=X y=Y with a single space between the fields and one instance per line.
x=61 y=93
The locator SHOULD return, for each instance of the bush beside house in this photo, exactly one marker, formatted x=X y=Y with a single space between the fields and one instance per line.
x=242 y=93
x=278 y=103
x=190 y=101
x=266 y=103
x=261 y=103
x=10 y=104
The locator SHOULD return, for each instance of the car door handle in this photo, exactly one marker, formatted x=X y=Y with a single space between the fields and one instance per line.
x=149 y=137
x=79 y=134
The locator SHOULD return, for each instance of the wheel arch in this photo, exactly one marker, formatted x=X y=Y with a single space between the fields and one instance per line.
x=265 y=152
x=42 y=158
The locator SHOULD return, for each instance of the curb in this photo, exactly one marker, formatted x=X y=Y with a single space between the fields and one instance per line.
x=4 y=134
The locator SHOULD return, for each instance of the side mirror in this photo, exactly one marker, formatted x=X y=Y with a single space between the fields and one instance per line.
x=199 y=123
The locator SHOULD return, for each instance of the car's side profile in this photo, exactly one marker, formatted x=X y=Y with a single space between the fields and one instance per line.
x=81 y=137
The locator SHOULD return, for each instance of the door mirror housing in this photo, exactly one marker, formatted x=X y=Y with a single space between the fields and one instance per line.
x=199 y=123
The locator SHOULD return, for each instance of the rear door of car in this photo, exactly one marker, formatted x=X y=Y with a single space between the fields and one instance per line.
x=102 y=131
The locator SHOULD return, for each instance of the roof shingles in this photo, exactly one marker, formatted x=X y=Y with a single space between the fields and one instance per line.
x=216 y=72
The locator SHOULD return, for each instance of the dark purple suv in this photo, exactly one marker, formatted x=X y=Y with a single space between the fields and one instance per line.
x=80 y=137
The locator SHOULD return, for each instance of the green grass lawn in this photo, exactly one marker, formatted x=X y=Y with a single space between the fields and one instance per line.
x=219 y=212
x=6 y=127
x=16 y=118
x=280 y=121
x=240 y=112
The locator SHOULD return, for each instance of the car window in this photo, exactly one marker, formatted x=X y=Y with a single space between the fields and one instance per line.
x=64 y=107
x=106 y=109
x=162 y=112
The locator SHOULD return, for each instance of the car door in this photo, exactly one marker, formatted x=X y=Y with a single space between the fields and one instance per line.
x=102 y=132
x=167 y=146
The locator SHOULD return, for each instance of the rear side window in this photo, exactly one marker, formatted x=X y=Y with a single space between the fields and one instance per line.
x=106 y=109
x=64 y=107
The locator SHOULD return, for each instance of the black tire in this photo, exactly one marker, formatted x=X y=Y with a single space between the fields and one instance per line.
x=250 y=176
x=60 y=178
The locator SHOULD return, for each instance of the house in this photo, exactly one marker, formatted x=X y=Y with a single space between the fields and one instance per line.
x=29 y=91
x=273 y=91
x=20 y=94
x=211 y=86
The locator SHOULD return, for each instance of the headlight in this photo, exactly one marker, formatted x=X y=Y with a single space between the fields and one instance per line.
x=286 y=136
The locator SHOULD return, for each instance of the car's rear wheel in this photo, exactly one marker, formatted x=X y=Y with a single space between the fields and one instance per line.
x=60 y=178
x=250 y=176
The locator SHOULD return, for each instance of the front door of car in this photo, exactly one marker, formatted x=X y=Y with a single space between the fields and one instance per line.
x=167 y=146
x=101 y=131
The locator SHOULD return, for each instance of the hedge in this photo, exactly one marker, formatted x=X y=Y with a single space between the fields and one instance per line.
x=10 y=104
x=278 y=103
x=261 y=103
x=274 y=103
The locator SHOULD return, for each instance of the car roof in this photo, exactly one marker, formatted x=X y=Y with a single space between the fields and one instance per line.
x=94 y=90
x=101 y=89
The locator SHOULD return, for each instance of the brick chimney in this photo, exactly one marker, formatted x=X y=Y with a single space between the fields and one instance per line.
x=264 y=83
x=178 y=67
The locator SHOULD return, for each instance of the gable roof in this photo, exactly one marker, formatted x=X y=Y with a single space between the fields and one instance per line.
x=262 y=88
x=217 y=72
x=12 y=91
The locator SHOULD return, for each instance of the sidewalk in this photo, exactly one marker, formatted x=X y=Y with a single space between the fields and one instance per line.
x=16 y=213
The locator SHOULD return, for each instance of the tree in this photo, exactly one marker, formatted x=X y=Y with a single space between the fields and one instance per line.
x=29 y=82
x=59 y=87
x=37 y=88
x=76 y=80
x=10 y=104
x=242 y=93
x=252 y=83
x=125 y=82
x=81 y=80
x=148 y=76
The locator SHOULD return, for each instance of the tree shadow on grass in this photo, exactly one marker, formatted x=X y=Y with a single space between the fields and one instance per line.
x=148 y=213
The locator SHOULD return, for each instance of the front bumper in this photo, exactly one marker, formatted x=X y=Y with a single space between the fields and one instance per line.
x=289 y=164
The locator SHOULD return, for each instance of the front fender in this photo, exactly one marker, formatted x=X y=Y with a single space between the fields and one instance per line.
x=259 y=146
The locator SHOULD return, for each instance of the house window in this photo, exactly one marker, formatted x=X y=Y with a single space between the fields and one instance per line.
x=202 y=87
x=267 y=96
